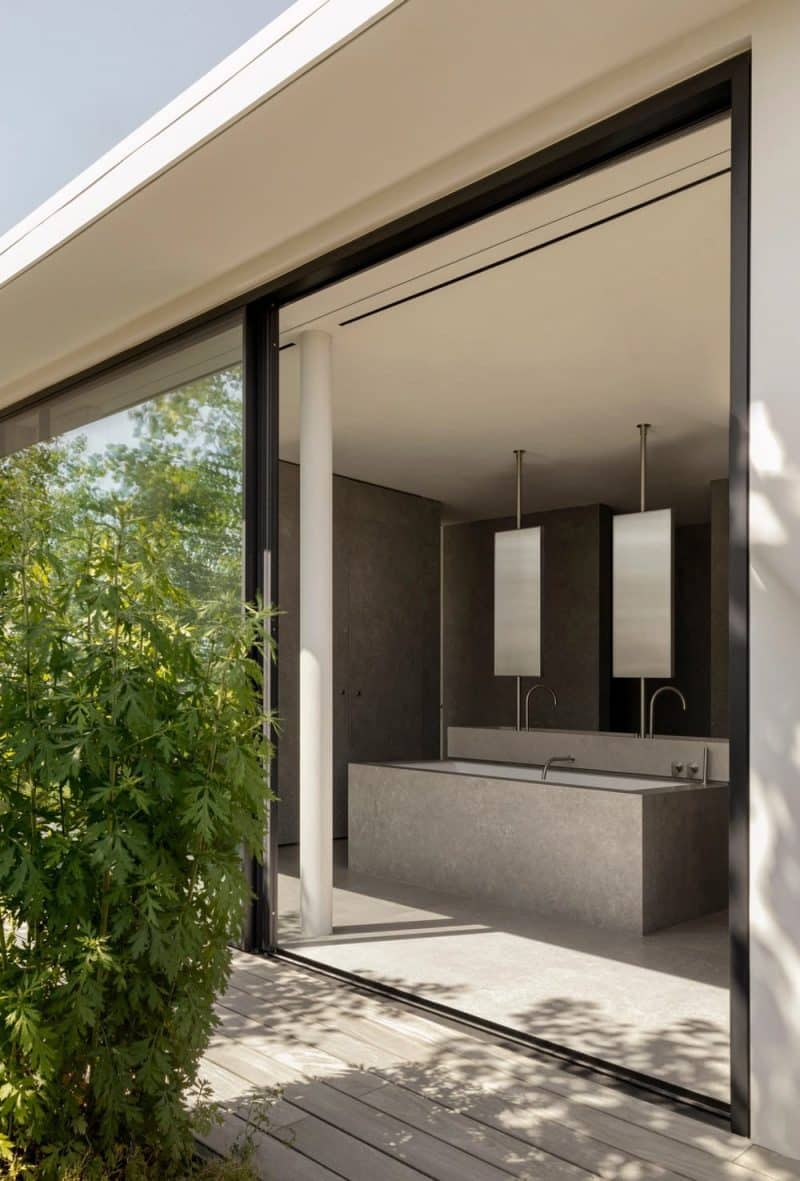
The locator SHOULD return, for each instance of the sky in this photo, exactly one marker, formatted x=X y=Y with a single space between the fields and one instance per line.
x=76 y=76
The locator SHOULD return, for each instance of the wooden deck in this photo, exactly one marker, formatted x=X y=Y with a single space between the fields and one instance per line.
x=336 y=1083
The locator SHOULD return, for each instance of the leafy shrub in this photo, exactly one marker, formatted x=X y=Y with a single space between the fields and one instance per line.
x=132 y=756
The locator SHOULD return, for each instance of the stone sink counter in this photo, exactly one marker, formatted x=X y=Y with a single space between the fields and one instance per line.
x=628 y=853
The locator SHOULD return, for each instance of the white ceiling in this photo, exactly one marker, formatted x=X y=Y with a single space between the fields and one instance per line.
x=234 y=185
x=561 y=352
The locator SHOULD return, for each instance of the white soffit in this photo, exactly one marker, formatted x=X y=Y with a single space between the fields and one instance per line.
x=328 y=113
x=560 y=350
x=603 y=193
x=264 y=64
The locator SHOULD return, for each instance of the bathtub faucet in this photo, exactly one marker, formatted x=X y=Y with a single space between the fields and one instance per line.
x=556 y=759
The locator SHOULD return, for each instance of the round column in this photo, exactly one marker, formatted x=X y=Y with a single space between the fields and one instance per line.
x=316 y=634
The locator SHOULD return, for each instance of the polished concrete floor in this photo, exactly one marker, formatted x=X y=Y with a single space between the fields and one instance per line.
x=656 y=1004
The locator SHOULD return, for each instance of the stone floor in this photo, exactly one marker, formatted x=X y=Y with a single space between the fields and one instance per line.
x=657 y=1004
x=329 y=1082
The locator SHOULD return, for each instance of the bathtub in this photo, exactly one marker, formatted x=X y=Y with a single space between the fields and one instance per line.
x=560 y=774
x=624 y=852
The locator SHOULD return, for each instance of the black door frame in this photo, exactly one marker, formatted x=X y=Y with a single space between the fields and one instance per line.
x=722 y=89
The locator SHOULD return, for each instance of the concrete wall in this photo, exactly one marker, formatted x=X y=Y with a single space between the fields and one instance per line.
x=575 y=612
x=775 y=579
x=386 y=634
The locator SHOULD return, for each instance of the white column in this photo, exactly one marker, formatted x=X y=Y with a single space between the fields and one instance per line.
x=316 y=635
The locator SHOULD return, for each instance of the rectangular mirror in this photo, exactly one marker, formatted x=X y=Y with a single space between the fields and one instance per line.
x=642 y=563
x=517 y=603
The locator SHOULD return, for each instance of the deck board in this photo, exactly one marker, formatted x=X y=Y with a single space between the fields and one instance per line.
x=334 y=1082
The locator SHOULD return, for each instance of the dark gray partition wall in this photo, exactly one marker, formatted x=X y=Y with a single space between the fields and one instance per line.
x=386 y=637
x=576 y=554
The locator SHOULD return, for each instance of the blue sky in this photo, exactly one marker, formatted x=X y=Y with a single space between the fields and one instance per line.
x=77 y=75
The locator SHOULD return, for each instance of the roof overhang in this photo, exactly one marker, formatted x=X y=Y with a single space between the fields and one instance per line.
x=338 y=116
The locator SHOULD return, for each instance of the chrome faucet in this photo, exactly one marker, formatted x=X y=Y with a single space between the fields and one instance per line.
x=531 y=691
x=664 y=689
x=556 y=759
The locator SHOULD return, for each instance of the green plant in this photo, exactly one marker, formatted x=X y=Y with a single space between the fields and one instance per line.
x=232 y=1170
x=132 y=775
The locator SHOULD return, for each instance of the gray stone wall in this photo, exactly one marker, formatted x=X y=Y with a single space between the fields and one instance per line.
x=386 y=634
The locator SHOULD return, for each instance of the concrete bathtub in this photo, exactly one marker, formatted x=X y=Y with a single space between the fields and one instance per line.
x=624 y=852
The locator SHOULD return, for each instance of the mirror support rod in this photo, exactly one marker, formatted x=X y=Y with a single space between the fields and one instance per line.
x=518 y=460
x=643 y=428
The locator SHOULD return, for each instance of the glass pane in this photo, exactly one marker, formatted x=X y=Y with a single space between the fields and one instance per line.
x=504 y=842
x=164 y=437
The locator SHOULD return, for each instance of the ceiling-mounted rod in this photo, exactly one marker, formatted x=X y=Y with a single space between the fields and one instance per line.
x=643 y=428
x=518 y=456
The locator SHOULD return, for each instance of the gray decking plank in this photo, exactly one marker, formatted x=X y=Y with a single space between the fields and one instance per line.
x=344 y=1154
x=517 y=1105
x=424 y=1032
x=771 y=1165
x=542 y=1074
x=240 y=1098
x=356 y=1052
x=291 y=1144
x=526 y=1123
x=495 y=1147
x=430 y=1097
x=294 y=1059
x=363 y=1025
x=273 y=1160
x=401 y=1141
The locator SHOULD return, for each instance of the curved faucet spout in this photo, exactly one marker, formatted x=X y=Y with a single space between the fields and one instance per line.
x=530 y=693
x=658 y=692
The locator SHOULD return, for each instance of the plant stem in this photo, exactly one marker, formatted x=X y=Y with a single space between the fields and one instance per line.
x=3 y=947
x=31 y=776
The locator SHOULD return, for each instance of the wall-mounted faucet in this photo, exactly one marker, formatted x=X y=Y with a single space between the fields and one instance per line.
x=664 y=689
x=530 y=693
x=556 y=759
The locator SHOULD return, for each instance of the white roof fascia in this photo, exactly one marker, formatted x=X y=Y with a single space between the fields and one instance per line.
x=285 y=49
